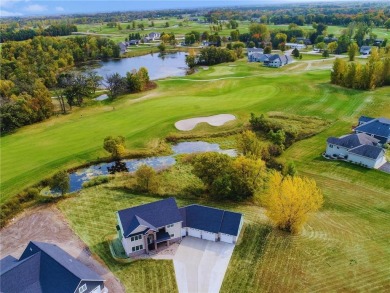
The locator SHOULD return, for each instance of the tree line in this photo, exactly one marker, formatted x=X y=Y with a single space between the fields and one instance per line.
x=374 y=73
x=11 y=34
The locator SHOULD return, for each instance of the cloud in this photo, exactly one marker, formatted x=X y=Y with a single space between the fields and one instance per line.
x=59 y=8
x=9 y=3
x=4 y=13
x=35 y=8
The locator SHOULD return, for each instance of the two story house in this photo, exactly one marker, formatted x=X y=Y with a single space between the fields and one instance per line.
x=143 y=228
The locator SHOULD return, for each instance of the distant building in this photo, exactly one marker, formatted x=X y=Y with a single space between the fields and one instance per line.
x=45 y=267
x=365 y=50
x=133 y=42
x=278 y=60
x=296 y=46
x=122 y=47
x=254 y=54
x=154 y=36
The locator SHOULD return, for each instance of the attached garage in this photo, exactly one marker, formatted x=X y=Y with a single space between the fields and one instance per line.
x=211 y=224
x=194 y=232
x=209 y=236
x=227 y=238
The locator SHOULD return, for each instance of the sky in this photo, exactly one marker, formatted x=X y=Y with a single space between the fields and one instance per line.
x=56 y=7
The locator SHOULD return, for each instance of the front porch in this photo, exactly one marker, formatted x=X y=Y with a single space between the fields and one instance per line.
x=154 y=240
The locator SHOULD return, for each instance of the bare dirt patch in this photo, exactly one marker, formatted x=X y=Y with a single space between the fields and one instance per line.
x=216 y=120
x=47 y=224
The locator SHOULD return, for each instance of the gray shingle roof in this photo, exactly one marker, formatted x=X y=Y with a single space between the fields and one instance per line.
x=44 y=267
x=365 y=119
x=353 y=140
x=367 y=151
x=211 y=219
x=157 y=214
x=21 y=276
x=204 y=218
x=274 y=57
x=230 y=223
x=379 y=127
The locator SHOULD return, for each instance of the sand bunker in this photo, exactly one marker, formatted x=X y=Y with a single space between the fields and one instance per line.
x=216 y=120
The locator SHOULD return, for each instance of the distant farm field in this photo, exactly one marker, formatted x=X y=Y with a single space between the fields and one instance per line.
x=36 y=152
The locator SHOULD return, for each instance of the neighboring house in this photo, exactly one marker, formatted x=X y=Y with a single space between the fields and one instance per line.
x=142 y=228
x=259 y=57
x=123 y=47
x=45 y=267
x=296 y=46
x=133 y=42
x=378 y=42
x=154 y=36
x=254 y=53
x=378 y=128
x=365 y=50
x=358 y=148
x=147 y=39
x=278 y=60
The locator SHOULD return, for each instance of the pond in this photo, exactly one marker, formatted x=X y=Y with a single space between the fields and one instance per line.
x=80 y=176
x=159 y=66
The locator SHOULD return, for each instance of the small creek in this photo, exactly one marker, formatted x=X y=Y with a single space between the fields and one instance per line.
x=78 y=177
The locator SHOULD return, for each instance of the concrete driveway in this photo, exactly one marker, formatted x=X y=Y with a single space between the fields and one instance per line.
x=200 y=265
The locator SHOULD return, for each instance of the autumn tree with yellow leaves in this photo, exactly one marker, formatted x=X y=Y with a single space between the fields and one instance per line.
x=290 y=200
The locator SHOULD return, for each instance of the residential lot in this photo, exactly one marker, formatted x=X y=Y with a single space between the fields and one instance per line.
x=48 y=225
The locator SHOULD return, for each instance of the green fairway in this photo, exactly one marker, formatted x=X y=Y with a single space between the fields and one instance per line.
x=36 y=152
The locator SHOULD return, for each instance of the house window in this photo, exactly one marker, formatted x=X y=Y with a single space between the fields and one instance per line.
x=83 y=288
x=135 y=238
x=331 y=146
x=136 y=248
x=172 y=235
x=170 y=225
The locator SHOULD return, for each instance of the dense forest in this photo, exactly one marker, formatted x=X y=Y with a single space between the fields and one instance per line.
x=12 y=33
x=374 y=73
x=29 y=68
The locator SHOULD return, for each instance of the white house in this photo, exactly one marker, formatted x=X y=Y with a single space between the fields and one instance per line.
x=278 y=60
x=154 y=36
x=365 y=50
x=143 y=228
x=254 y=54
x=296 y=46
x=358 y=148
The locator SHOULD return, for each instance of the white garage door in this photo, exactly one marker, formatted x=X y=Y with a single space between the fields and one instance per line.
x=208 y=236
x=193 y=232
x=227 y=238
x=183 y=232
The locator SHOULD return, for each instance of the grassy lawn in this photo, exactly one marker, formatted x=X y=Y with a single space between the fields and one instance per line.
x=342 y=247
x=92 y=216
x=35 y=152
